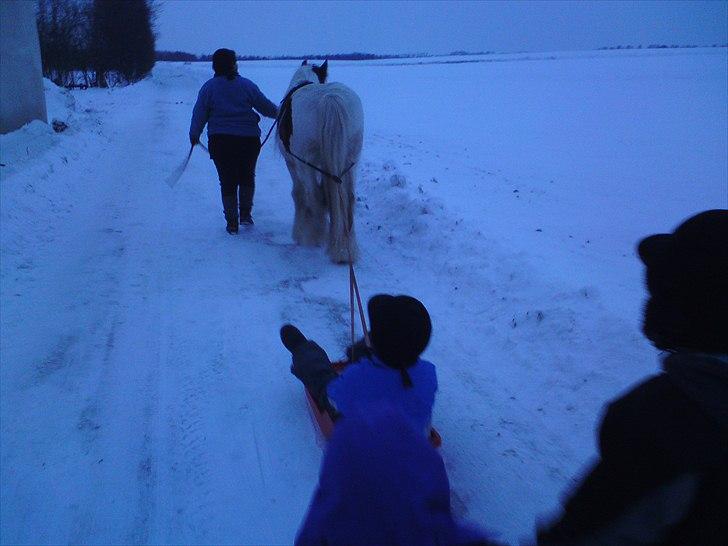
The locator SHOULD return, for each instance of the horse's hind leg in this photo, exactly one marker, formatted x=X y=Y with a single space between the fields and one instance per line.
x=342 y=245
x=308 y=221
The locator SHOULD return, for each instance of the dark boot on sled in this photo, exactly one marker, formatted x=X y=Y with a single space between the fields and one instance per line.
x=292 y=337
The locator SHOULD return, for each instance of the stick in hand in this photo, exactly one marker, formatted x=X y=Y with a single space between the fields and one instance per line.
x=173 y=178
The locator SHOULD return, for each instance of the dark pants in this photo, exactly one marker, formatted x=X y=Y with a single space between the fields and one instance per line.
x=235 y=158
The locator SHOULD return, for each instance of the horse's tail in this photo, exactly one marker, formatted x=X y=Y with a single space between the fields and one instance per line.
x=335 y=157
x=333 y=134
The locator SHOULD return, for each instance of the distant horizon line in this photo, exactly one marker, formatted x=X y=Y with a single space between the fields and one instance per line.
x=359 y=55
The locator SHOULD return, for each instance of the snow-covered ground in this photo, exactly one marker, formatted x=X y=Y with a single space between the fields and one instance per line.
x=145 y=395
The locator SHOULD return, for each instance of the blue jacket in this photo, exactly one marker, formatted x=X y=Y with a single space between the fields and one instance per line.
x=227 y=108
x=369 y=383
x=382 y=483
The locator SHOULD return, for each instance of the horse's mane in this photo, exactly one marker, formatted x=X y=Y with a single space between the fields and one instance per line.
x=306 y=74
x=302 y=75
x=285 y=119
x=309 y=73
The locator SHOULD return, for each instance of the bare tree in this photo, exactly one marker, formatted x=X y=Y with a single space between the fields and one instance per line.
x=122 y=40
x=103 y=42
x=63 y=30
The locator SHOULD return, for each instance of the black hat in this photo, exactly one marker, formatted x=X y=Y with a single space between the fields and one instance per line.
x=687 y=274
x=223 y=62
x=400 y=329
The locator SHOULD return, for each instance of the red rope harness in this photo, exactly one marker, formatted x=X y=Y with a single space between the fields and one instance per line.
x=353 y=285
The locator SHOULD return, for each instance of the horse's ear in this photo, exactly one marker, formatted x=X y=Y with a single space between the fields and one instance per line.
x=322 y=71
x=305 y=62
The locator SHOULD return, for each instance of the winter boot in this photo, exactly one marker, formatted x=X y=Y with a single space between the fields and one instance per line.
x=230 y=209
x=292 y=337
x=246 y=204
x=232 y=223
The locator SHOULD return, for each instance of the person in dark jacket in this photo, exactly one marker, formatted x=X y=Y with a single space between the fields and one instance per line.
x=391 y=372
x=662 y=473
x=382 y=483
x=227 y=104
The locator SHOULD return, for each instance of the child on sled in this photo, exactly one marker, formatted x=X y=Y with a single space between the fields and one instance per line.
x=390 y=372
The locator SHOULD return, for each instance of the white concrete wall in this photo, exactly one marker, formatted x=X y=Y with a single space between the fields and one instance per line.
x=21 y=76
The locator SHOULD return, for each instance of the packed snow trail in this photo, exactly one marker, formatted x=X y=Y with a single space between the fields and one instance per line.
x=145 y=395
x=150 y=362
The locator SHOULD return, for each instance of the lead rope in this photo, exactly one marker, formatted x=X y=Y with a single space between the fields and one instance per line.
x=280 y=113
x=353 y=285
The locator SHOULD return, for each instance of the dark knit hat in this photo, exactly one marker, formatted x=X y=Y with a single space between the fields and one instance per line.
x=223 y=62
x=400 y=330
x=687 y=277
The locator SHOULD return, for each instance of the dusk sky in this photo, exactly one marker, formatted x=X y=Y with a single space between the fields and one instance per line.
x=297 y=27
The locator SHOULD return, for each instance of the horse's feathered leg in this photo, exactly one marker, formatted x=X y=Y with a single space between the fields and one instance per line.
x=309 y=217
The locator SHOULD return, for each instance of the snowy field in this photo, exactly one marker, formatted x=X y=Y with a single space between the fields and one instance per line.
x=145 y=395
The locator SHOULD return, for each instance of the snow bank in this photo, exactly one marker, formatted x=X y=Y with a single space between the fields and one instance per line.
x=31 y=141
x=60 y=103
x=25 y=143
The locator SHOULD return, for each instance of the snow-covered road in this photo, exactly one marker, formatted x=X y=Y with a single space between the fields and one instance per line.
x=145 y=396
x=146 y=377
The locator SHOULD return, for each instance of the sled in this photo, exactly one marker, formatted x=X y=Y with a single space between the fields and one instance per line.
x=324 y=424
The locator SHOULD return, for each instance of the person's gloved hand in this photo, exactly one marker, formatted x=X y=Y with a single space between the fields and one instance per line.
x=358 y=350
x=194 y=140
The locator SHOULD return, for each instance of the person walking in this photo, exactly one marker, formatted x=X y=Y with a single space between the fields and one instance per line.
x=227 y=103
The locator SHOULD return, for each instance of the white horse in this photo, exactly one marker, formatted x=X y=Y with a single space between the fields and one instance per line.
x=323 y=125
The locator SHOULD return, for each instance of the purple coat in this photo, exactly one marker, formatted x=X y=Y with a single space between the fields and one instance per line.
x=381 y=482
x=227 y=108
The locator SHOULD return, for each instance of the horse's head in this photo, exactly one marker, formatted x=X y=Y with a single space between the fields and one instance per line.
x=310 y=73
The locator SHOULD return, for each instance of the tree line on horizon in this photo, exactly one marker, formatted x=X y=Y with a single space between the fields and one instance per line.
x=658 y=46
x=96 y=43
x=184 y=56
